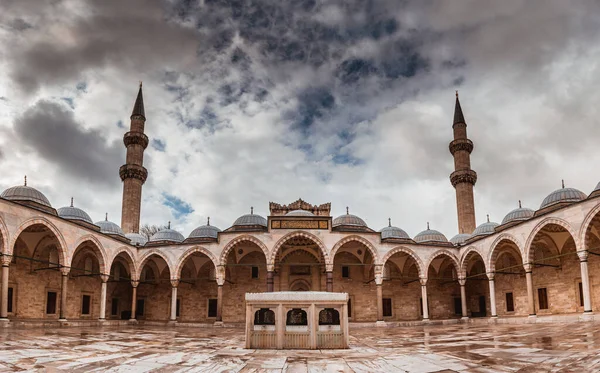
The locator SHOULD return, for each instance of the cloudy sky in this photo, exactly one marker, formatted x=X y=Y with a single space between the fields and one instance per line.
x=349 y=102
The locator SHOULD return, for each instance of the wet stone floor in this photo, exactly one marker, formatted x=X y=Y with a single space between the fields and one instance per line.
x=451 y=348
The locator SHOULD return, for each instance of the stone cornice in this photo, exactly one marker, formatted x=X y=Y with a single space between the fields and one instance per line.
x=136 y=138
x=133 y=171
x=463 y=176
x=461 y=144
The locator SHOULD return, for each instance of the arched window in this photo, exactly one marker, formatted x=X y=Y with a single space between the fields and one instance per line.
x=329 y=316
x=264 y=316
x=296 y=316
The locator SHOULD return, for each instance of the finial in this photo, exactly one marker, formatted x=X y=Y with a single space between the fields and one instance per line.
x=519 y=203
x=347 y=211
x=488 y=217
x=169 y=225
x=25 y=180
x=456 y=93
x=427 y=225
x=140 y=84
x=71 y=201
x=106 y=216
x=563 y=183
x=389 y=222
x=208 y=221
x=251 y=210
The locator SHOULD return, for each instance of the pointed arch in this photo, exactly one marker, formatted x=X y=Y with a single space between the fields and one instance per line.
x=528 y=257
x=447 y=253
x=464 y=259
x=237 y=240
x=409 y=252
x=62 y=244
x=189 y=252
x=284 y=239
x=5 y=238
x=491 y=259
x=589 y=218
x=129 y=258
x=147 y=255
x=358 y=239
x=102 y=259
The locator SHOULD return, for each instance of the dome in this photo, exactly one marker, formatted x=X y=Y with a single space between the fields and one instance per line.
x=167 y=235
x=137 y=239
x=460 y=238
x=25 y=193
x=348 y=219
x=596 y=189
x=563 y=195
x=393 y=232
x=485 y=229
x=74 y=213
x=205 y=231
x=109 y=227
x=430 y=235
x=522 y=213
x=250 y=219
x=299 y=213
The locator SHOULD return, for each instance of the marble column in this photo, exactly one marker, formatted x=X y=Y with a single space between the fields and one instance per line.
x=492 y=285
x=463 y=298
x=424 y=298
x=134 y=285
x=219 y=302
x=379 y=286
x=63 y=294
x=174 y=284
x=329 y=281
x=104 y=279
x=530 y=298
x=270 y=281
x=4 y=293
x=585 y=281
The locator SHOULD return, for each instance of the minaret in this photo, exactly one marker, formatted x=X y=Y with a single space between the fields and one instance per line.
x=133 y=172
x=463 y=178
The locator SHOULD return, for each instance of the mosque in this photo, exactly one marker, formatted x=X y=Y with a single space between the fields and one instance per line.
x=59 y=266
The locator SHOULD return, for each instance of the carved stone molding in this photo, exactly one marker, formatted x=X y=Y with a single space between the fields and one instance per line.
x=463 y=176
x=319 y=210
x=132 y=171
x=461 y=144
x=136 y=138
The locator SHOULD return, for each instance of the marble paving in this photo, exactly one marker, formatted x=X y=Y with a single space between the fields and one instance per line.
x=423 y=349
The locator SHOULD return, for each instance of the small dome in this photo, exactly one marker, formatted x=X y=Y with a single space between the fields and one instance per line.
x=250 y=219
x=563 y=195
x=430 y=235
x=137 y=239
x=521 y=213
x=25 y=193
x=299 y=213
x=167 y=235
x=109 y=227
x=597 y=188
x=74 y=213
x=485 y=229
x=460 y=238
x=205 y=231
x=393 y=232
x=348 y=219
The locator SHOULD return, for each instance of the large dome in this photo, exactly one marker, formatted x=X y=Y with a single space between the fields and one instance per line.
x=250 y=219
x=109 y=227
x=25 y=193
x=519 y=214
x=167 y=235
x=393 y=232
x=460 y=238
x=563 y=195
x=348 y=220
x=74 y=213
x=205 y=231
x=299 y=213
x=430 y=235
x=137 y=239
x=485 y=229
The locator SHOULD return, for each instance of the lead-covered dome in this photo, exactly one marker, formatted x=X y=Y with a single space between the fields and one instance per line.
x=250 y=220
x=460 y=238
x=348 y=220
x=137 y=239
x=430 y=235
x=485 y=228
x=519 y=214
x=74 y=213
x=25 y=193
x=393 y=232
x=205 y=231
x=563 y=195
x=168 y=235
x=109 y=227
x=299 y=213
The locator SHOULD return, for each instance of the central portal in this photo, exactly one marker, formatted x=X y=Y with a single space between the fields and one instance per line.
x=299 y=265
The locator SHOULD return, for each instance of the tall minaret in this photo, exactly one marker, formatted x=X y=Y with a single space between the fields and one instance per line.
x=463 y=178
x=133 y=173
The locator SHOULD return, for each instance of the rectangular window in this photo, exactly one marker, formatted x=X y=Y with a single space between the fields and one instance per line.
x=10 y=300
x=387 y=307
x=86 y=300
x=543 y=298
x=177 y=307
x=114 y=307
x=254 y=272
x=139 y=308
x=51 y=303
x=350 y=307
x=510 y=303
x=345 y=271
x=581 y=294
x=457 y=306
x=212 y=308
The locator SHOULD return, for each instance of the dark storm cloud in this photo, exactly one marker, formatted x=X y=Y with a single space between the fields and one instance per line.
x=51 y=130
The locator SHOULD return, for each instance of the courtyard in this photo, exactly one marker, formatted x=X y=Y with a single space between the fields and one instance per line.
x=570 y=347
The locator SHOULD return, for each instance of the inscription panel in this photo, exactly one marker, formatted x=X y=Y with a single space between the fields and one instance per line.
x=299 y=224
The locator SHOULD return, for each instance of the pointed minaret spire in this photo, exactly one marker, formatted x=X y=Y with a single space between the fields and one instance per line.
x=458 y=114
x=71 y=201
x=138 y=107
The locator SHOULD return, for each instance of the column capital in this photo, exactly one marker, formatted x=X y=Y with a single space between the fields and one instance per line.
x=583 y=255
x=174 y=282
x=104 y=277
x=423 y=281
x=462 y=281
x=328 y=267
x=378 y=279
x=135 y=283
x=491 y=275
x=528 y=267
x=220 y=281
x=5 y=260
x=65 y=271
x=270 y=267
